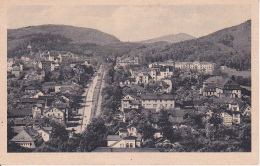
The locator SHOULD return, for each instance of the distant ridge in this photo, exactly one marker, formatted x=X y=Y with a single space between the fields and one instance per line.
x=78 y=35
x=174 y=38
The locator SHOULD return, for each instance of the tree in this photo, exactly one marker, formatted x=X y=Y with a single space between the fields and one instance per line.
x=94 y=136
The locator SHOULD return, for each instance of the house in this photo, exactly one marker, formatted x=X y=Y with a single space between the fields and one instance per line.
x=28 y=138
x=235 y=105
x=221 y=87
x=160 y=72
x=129 y=103
x=45 y=134
x=228 y=88
x=30 y=90
x=163 y=86
x=127 y=137
x=158 y=134
x=233 y=114
x=37 y=111
x=37 y=94
x=157 y=101
x=49 y=86
x=59 y=114
x=63 y=88
x=142 y=78
x=46 y=100
x=246 y=110
x=123 y=61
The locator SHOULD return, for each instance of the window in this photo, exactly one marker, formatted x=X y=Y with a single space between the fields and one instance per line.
x=131 y=145
x=154 y=105
x=127 y=145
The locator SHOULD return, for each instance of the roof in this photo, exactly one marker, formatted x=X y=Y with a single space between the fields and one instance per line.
x=136 y=102
x=30 y=88
x=164 y=68
x=157 y=96
x=108 y=149
x=29 y=100
x=176 y=112
x=49 y=84
x=46 y=97
x=23 y=136
x=113 y=138
x=213 y=79
x=19 y=112
x=210 y=88
x=23 y=121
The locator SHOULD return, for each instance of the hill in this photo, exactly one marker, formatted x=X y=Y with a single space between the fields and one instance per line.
x=77 y=35
x=170 y=38
x=230 y=47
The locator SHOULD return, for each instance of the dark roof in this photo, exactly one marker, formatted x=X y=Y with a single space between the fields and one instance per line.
x=19 y=112
x=108 y=149
x=157 y=96
x=29 y=100
x=30 y=88
x=187 y=103
x=163 y=68
x=210 y=88
x=24 y=121
x=49 y=84
x=113 y=138
x=176 y=112
x=46 y=97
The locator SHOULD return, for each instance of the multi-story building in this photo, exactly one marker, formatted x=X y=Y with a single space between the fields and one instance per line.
x=221 y=87
x=121 y=61
x=205 y=67
x=129 y=102
x=158 y=102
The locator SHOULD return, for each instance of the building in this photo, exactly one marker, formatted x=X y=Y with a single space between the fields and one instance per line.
x=233 y=114
x=142 y=78
x=28 y=138
x=160 y=72
x=228 y=88
x=44 y=134
x=127 y=138
x=205 y=67
x=49 y=86
x=157 y=101
x=221 y=87
x=129 y=103
x=37 y=111
x=59 y=114
x=123 y=61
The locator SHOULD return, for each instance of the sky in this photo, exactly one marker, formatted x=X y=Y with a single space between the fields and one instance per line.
x=134 y=23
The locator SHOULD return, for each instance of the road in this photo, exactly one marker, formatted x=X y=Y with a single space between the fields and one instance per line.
x=92 y=102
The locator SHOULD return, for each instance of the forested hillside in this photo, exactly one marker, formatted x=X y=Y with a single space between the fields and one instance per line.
x=230 y=46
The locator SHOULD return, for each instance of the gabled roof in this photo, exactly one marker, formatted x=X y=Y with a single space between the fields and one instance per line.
x=23 y=136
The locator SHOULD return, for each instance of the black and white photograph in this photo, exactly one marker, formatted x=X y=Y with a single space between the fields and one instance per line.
x=129 y=78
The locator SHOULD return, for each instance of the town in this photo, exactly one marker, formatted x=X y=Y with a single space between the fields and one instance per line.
x=59 y=101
